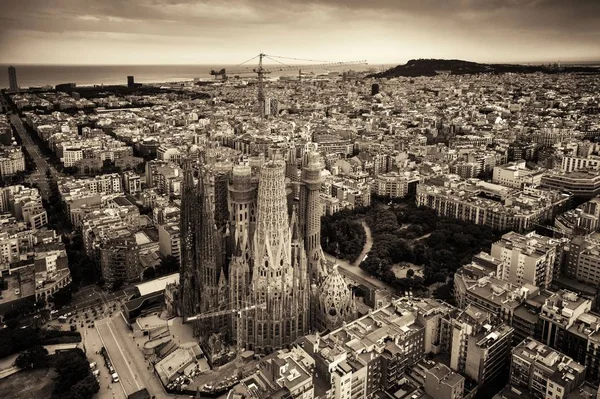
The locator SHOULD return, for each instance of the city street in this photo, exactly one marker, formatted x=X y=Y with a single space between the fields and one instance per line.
x=121 y=362
x=39 y=176
x=90 y=296
x=128 y=360
x=92 y=345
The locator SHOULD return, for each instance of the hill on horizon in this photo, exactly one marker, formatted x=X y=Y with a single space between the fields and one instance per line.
x=433 y=67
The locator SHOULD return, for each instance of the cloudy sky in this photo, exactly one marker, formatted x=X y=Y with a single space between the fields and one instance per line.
x=231 y=31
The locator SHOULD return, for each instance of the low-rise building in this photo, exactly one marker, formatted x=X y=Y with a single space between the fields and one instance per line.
x=443 y=383
x=516 y=175
x=12 y=160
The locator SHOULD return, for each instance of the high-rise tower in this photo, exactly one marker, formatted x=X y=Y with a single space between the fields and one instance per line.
x=279 y=278
x=239 y=280
x=310 y=214
x=12 y=78
x=200 y=281
x=206 y=251
x=188 y=223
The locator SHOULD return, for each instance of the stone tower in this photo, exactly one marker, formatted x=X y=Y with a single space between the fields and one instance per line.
x=278 y=280
x=242 y=206
x=239 y=280
x=206 y=253
x=335 y=303
x=310 y=214
x=188 y=269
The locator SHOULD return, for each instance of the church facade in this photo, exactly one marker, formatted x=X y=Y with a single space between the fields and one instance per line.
x=270 y=275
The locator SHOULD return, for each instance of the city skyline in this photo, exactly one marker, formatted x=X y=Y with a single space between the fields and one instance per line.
x=381 y=31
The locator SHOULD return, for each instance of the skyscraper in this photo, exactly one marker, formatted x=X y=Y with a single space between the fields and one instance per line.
x=12 y=78
x=130 y=82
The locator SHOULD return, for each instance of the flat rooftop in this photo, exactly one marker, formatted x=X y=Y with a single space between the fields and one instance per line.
x=18 y=289
x=157 y=285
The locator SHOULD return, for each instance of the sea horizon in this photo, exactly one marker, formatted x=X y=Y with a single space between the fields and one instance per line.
x=35 y=75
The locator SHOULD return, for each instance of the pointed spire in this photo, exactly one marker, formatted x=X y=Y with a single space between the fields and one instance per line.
x=188 y=176
x=238 y=248
x=200 y=188
x=295 y=225
x=222 y=279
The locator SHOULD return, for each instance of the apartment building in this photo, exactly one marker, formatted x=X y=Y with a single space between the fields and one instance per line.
x=12 y=160
x=119 y=258
x=528 y=259
x=9 y=249
x=583 y=259
x=443 y=383
x=489 y=204
x=395 y=185
x=132 y=182
x=480 y=346
x=472 y=285
x=169 y=239
x=540 y=371
x=370 y=354
x=559 y=313
x=516 y=175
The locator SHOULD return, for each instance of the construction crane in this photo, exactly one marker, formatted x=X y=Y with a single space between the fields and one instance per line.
x=262 y=72
x=239 y=312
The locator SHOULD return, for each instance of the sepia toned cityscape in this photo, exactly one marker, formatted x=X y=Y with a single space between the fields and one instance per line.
x=404 y=203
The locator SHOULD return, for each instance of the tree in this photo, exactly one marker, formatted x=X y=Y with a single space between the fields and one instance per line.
x=35 y=357
x=62 y=296
x=410 y=273
x=85 y=389
x=108 y=166
x=149 y=273
x=169 y=264
x=74 y=378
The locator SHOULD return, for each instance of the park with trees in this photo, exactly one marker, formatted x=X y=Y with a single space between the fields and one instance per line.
x=405 y=233
x=342 y=234
x=72 y=377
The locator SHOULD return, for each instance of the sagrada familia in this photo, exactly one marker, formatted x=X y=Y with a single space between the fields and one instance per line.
x=251 y=257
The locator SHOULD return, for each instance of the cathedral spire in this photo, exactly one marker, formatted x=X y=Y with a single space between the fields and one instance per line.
x=279 y=277
x=310 y=212
x=188 y=221
x=295 y=226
